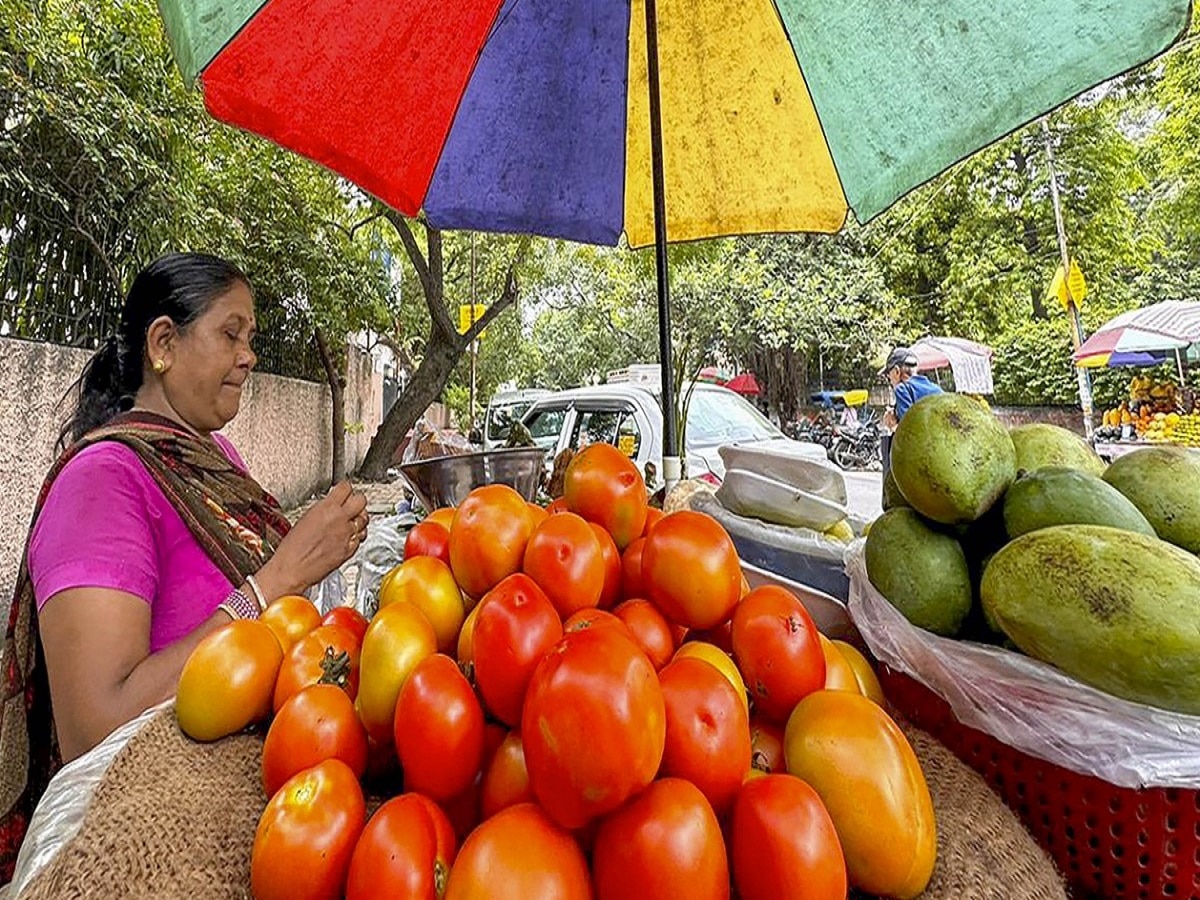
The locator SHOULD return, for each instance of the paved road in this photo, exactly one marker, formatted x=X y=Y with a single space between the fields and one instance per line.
x=864 y=493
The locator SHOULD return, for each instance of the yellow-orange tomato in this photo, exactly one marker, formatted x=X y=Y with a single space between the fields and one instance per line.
x=397 y=639
x=291 y=617
x=839 y=674
x=228 y=680
x=539 y=514
x=466 y=638
x=860 y=763
x=443 y=516
x=428 y=584
x=488 y=537
x=868 y=681
x=718 y=658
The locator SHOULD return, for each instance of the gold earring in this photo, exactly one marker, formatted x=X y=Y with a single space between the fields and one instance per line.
x=159 y=366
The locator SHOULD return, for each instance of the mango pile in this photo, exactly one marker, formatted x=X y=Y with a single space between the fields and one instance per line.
x=1024 y=538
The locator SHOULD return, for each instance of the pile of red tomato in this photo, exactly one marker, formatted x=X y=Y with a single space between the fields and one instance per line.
x=578 y=701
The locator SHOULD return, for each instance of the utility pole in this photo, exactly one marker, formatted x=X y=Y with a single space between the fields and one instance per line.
x=1085 y=381
x=474 y=344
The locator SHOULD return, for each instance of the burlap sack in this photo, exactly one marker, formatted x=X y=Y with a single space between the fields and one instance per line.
x=175 y=819
x=170 y=819
x=984 y=852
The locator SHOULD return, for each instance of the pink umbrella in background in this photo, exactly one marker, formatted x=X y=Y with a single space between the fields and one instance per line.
x=745 y=383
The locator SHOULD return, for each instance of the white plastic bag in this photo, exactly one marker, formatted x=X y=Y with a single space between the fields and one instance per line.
x=381 y=550
x=1028 y=704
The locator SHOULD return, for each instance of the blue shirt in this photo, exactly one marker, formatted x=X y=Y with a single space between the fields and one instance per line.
x=909 y=392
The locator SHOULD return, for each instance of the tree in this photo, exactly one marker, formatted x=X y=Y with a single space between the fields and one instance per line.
x=444 y=346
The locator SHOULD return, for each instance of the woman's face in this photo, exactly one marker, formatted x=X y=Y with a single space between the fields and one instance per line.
x=211 y=360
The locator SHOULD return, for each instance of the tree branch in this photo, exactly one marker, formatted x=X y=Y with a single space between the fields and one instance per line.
x=353 y=229
x=507 y=297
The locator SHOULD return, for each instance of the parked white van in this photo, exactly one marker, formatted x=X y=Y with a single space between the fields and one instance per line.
x=628 y=416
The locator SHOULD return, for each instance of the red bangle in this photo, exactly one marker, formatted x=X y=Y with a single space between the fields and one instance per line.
x=239 y=606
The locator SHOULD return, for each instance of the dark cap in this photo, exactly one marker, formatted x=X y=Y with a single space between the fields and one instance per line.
x=901 y=356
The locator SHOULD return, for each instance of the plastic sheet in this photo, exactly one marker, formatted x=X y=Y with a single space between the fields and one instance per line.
x=382 y=550
x=62 y=808
x=1028 y=704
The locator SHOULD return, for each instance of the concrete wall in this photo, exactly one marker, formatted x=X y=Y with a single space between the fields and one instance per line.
x=282 y=431
x=1069 y=417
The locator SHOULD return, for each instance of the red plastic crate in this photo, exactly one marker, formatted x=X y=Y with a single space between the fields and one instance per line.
x=1108 y=841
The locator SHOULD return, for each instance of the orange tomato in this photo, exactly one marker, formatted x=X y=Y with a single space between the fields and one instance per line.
x=720 y=660
x=558 y=505
x=604 y=486
x=766 y=745
x=539 y=514
x=868 y=681
x=443 y=516
x=290 y=617
x=465 y=648
x=778 y=650
x=870 y=781
x=397 y=639
x=839 y=675
x=506 y=781
x=317 y=724
x=610 y=594
x=488 y=536
x=519 y=854
x=405 y=851
x=690 y=569
x=329 y=654
x=227 y=681
x=632 y=585
x=653 y=517
x=428 y=584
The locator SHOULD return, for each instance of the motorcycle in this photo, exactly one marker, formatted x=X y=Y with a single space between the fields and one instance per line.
x=813 y=431
x=857 y=449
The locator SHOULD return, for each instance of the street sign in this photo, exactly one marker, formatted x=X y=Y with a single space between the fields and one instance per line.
x=466 y=319
x=1076 y=284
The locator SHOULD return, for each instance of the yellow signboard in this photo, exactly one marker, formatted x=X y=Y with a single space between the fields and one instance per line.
x=1077 y=285
x=465 y=319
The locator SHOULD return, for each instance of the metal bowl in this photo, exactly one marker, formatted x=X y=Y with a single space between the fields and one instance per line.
x=446 y=480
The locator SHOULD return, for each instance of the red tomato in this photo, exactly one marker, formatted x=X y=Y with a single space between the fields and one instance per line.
x=708 y=734
x=438 y=729
x=778 y=650
x=515 y=626
x=691 y=569
x=610 y=594
x=349 y=618
x=766 y=745
x=650 y=630
x=290 y=617
x=664 y=842
x=519 y=854
x=604 y=486
x=316 y=724
x=597 y=618
x=506 y=781
x=784 y=843
x=405 y=852
x=487 y=539
x=327 y=655
x=463 y=809
x=307 y=834
x=566 y=560
x=632 y=584
x=653 y=517
x=428 y=539
x=594 y=691
x=558 y=505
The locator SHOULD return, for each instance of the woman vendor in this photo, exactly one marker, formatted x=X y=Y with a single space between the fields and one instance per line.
x=149 y=532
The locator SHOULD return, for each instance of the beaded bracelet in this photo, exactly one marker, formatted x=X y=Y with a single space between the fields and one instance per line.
x=239 y=606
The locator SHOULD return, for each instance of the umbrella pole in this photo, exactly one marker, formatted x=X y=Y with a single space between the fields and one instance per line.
x=671 y=464
x=1179 y=367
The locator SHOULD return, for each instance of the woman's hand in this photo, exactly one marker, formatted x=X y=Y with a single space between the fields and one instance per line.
x=324 y=538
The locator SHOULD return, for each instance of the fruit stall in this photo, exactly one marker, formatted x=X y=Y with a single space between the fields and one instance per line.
x=595 y=698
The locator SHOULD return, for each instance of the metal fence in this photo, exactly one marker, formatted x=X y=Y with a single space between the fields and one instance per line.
x=54 y=288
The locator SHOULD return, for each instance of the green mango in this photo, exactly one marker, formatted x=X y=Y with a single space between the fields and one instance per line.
x=920 y=570
x=1114 y=609
x=1040 y=445
x=1164 y=483
x=1059 y=496
x=952 y=459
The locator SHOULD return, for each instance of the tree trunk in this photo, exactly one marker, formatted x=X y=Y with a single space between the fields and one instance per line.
x=337 y=385
x=425 y=387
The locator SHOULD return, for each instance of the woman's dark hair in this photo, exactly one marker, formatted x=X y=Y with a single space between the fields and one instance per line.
x=180 y=286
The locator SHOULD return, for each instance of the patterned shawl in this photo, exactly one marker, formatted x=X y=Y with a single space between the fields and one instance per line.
x=236 y=522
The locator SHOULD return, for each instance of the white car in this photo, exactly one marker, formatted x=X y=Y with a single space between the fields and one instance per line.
x=629 y=417
x=505 y=408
